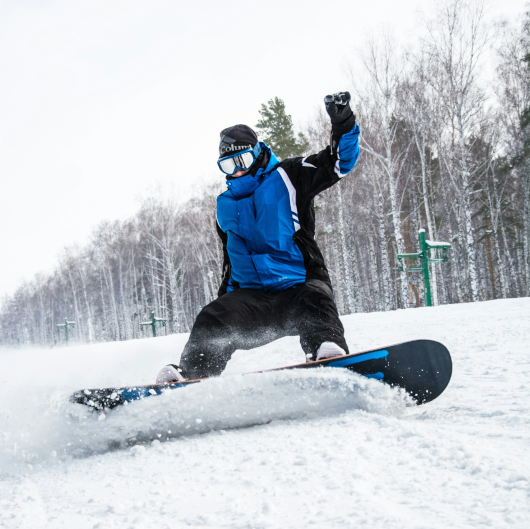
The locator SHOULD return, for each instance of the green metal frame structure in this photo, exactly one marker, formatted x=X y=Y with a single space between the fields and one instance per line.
x=424 y=255
x=65 y=325
x=153 y=322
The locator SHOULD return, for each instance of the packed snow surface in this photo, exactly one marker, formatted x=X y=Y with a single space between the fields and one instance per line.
x=283 y=449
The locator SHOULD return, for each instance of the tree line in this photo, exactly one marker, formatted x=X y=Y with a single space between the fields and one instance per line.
x=445 y=147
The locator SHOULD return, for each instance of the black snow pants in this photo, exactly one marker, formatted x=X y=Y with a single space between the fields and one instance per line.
x=246 y=318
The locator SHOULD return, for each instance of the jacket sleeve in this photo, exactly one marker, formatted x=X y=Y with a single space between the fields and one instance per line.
x=227 y=266
x=315 y=173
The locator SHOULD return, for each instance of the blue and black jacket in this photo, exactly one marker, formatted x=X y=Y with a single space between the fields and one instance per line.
x=266 y=221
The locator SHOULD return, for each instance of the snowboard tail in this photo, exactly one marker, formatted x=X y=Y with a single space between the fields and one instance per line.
x=423 y=368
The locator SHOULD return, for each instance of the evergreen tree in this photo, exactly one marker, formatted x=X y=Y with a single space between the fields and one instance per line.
x=525 y=129
x=525 y=116
x=276 y=130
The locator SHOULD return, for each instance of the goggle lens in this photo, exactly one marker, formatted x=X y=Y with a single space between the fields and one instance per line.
x=227 y=165
x=241 y=161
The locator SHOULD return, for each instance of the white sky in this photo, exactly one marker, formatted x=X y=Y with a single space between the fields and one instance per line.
x=101 y=98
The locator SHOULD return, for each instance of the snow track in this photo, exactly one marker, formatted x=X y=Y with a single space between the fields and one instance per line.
x=284 y=449
x=65 y=431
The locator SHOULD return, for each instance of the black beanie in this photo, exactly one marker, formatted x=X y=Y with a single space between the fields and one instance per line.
x=236 y=138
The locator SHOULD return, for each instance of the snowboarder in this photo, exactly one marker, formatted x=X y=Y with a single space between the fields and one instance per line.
x=274 y=280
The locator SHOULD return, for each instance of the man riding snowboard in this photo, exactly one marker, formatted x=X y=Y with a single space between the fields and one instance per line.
x=274 y=281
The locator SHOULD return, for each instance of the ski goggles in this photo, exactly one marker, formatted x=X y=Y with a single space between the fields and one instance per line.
x=239 y=161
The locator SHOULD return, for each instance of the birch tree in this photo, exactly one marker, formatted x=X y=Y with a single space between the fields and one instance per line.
x=513 y=91
x=456 y=42
x=380 y=99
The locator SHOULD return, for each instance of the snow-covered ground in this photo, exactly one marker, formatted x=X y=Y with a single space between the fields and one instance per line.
x=286 y=449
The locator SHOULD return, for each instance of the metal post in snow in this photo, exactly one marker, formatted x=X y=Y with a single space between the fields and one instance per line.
x=425 y=258
x=424 y=251
x=65 y=325
x=153 y=322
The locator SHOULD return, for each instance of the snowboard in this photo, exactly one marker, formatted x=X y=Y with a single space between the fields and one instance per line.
x=423 y=368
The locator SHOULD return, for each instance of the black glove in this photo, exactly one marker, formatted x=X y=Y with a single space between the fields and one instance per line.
x=338 y=108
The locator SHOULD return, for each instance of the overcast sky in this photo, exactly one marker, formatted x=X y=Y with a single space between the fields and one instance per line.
x=100 y=99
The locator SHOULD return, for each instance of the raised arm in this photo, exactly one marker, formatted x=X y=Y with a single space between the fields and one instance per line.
x=317 y=172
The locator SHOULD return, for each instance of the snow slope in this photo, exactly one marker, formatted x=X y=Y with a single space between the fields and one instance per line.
x=294 y=449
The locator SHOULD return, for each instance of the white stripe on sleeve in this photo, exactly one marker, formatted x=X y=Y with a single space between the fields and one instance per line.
x=307 y=164
x=292 y=194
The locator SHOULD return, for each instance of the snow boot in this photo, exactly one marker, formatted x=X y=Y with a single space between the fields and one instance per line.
x=329 y=350
x=170 y=373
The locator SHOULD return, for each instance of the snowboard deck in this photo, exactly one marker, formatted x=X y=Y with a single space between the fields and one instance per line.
x=423 y=368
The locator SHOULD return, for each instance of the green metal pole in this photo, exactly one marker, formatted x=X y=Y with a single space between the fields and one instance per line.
x=424 y=250
x=153 y=323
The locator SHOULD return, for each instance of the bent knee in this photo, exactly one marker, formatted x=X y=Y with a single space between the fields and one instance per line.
x=319 y=286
